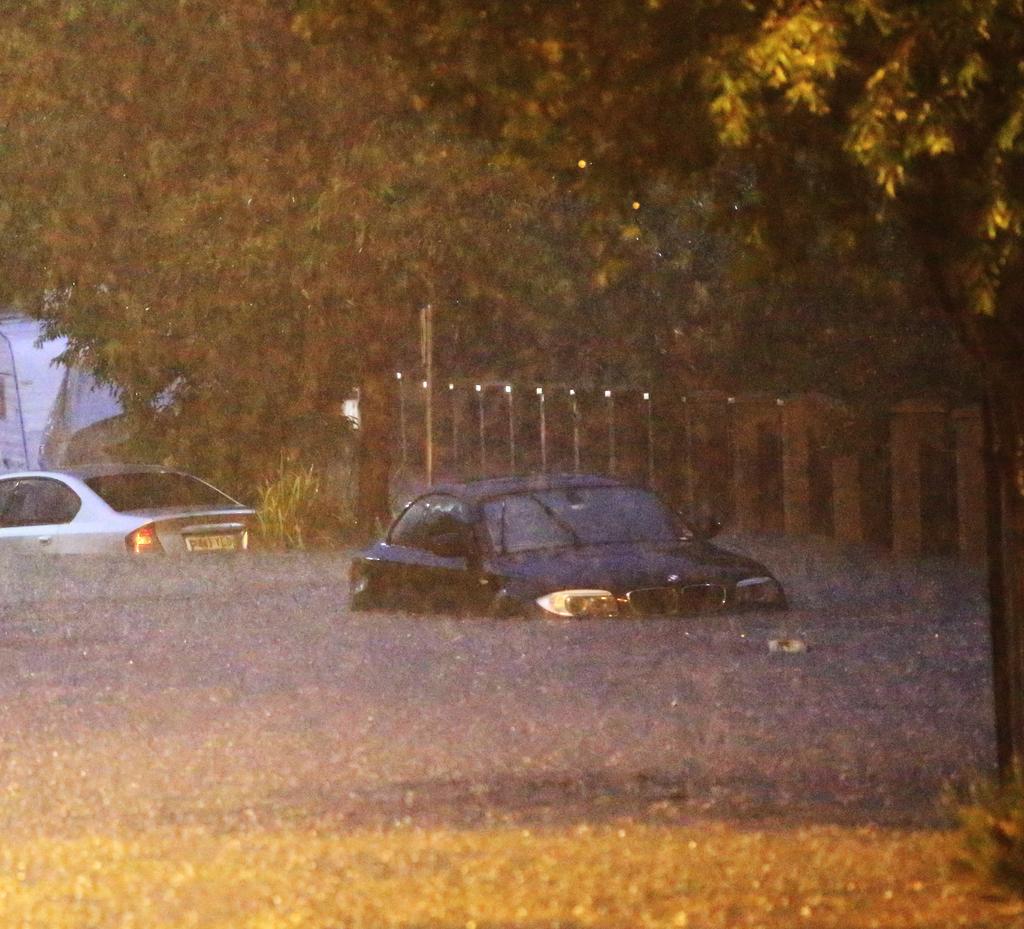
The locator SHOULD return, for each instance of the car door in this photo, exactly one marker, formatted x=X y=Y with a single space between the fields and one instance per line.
x=433 y=560
x=10 y=536
x=387 y=571
x=35 y=513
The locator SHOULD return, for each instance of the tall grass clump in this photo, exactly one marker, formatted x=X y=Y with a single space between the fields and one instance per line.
x=295 y=510
x=992 y=829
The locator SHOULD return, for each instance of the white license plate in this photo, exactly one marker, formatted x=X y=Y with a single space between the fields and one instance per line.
x=211 y=543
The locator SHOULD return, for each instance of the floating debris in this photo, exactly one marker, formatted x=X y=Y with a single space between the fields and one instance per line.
x=790 y=646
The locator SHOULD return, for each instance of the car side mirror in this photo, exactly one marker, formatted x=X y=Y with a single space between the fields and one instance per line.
x=705 y=527
x=709 y=528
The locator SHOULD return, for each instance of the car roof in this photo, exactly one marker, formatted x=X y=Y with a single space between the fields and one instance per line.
x=84 y=472
x=103 y=470
x=486 y=488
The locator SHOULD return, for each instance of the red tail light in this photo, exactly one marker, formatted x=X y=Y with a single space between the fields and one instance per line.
x=143 y=540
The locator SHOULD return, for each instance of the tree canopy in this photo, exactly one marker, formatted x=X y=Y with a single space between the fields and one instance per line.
x=728 y=249
x=232 y=225
x=192 y=184
x=206 y=193
x=926 y=99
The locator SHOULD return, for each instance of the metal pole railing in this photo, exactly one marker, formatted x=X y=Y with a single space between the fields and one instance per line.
x=575 y=430
x=610 y=397
x=455 y=427
x=650 y=439
x=543 y=431
x=427 y=351
x=511 y=429
x=483 y=440
x=401 y=419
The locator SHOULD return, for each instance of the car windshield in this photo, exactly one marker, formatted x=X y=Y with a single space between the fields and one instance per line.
x=579 y=516
x=150 y=490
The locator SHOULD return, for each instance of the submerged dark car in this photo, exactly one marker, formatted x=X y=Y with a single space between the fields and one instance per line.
x=570 y=546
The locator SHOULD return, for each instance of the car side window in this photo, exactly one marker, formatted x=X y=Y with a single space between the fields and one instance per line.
x=519 y=523
x=406 y=531
x=428 y=518
x=6 y=497
x=40 y=502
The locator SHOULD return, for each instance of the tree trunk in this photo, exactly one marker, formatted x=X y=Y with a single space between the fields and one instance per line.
x=1005 y=422
x=997 y=344
x=376 y=420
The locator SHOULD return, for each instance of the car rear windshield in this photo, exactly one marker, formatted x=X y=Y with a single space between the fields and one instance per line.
x=579 y=516
x=151 y=490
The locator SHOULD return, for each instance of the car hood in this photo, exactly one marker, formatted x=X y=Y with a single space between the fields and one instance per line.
x=620 y=568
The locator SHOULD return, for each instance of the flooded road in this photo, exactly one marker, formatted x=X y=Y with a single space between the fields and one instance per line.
x=230 y=693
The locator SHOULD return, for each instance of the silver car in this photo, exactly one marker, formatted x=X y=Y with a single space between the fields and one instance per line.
x=114 y=509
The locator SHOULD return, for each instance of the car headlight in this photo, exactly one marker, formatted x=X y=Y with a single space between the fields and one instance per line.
x=579 y=603
x=765 y=591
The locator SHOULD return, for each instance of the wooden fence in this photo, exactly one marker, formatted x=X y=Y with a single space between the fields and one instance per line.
x=910 y=478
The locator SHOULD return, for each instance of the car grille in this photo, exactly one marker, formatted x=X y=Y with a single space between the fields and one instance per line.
x=676 y=601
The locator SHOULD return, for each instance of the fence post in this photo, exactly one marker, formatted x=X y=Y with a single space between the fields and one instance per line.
x=847 y=514
x=913 y=423
x=972 y=514
x=796 y=475
x=811 y=425
x=709 y=453
x=755 y=416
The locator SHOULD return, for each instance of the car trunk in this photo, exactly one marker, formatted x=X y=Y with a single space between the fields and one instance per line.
x=203 y=531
